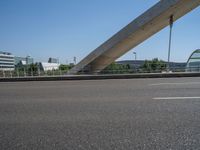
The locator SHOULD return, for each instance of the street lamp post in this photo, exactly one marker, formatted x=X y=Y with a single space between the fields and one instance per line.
x=135 y=55
x=134 y=64
x=75 y=60
x=171 y=21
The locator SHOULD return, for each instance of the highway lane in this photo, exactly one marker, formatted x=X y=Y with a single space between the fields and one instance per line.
x=101 y=114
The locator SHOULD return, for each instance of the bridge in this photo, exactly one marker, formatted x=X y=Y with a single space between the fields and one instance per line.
x=140 y=29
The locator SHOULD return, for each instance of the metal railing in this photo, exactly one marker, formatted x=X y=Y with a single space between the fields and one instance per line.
x=143 y=70
x=26 y=73
x=39 y=73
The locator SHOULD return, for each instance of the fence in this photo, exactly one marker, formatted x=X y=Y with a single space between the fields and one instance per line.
x=26 y=73
x=143 y=70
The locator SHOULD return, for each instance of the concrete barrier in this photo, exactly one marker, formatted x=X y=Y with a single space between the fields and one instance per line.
x=100 y=77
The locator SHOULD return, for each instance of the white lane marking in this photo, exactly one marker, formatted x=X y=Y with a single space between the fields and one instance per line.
x=184 y=83
x=174 y=98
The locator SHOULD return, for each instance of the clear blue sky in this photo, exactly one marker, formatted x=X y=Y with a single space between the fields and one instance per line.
x=68 y=28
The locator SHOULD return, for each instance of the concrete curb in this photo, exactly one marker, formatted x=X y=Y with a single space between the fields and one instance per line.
x=100 y=77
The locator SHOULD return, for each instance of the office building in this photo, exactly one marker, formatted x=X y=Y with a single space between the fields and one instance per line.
x=6 y=61
x=53 y=60
x=21 y=61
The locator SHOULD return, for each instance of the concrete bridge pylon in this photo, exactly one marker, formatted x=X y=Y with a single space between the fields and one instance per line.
x=140 y=29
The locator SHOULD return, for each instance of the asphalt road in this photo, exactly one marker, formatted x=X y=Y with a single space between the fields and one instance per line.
x=146 y=114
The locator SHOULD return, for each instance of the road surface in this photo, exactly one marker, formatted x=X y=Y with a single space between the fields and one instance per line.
x=146 y=114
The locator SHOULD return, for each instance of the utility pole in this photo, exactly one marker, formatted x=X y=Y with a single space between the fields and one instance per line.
x=171 y=21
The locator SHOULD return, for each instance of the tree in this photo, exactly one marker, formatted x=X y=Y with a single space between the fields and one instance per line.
x=155 y=65
x=66 y=67
x=32 y=67
x=63 y=67
x=116 y=68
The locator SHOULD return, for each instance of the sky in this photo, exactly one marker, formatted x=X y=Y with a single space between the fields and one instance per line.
x=73 y=28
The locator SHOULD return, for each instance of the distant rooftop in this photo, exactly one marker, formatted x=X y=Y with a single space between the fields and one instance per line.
x=5 y=53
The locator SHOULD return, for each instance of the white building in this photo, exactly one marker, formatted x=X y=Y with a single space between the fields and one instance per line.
x=6 y=61
x=48 y=66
